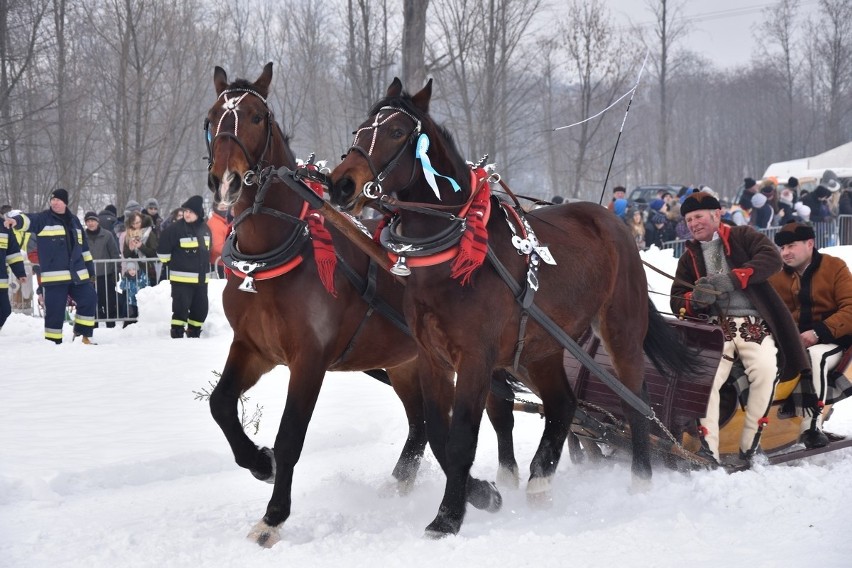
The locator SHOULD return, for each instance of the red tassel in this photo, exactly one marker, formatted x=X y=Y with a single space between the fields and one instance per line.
x=324 y=256
x=474 y=242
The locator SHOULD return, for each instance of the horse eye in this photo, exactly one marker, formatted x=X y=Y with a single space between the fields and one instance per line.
x=397 y=133
x=256 y=119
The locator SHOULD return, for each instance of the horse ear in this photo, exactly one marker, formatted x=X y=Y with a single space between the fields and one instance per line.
x=263 y=82
x=395 y=88
x=220 y=80
x=422 y=98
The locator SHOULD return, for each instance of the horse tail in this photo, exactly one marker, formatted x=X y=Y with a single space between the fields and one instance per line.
x=664 y=347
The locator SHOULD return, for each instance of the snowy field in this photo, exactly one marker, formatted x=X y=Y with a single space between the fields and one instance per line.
x=107 y=460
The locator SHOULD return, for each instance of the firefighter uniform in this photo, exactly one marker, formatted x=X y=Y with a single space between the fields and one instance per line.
x=184 y=248
x=10 y=253
x=66 y=268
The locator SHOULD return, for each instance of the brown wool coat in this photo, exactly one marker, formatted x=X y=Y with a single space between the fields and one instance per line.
x=821 y=299
x=753 y=259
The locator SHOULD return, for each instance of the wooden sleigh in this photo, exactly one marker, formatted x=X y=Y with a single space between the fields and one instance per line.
x=598 y=428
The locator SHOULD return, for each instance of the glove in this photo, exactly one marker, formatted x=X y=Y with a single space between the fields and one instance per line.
x=721 y=282
x=704 y=292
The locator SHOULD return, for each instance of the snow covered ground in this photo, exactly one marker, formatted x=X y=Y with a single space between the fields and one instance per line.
x=107 y=460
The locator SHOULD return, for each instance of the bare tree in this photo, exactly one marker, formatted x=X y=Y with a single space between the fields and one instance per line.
x=368 y=51
x=21 y=39
x=669 y=26
x=779 y=33
x=413 y=40
x=831 y=58
x=599 y=62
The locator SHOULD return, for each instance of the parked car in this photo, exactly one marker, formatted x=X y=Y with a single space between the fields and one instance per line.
x=642 y=195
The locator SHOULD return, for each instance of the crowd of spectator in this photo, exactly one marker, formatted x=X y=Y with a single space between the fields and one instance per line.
x=129 y=254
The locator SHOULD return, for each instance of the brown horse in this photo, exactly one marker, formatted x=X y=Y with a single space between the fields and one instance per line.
x=343 y=323
x=467 y=319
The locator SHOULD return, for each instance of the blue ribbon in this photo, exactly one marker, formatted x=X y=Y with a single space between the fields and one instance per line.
x=428 y=171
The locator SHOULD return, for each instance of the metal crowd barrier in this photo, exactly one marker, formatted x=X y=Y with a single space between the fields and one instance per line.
x=834 y=232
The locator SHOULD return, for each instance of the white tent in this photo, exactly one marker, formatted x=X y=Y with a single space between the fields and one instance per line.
x=838 y=160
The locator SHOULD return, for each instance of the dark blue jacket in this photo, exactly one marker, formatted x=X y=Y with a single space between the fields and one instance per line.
x=63 y=252
x=10 y=253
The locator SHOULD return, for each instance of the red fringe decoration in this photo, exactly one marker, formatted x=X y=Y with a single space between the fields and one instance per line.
x=323 y=246
x=474 y=242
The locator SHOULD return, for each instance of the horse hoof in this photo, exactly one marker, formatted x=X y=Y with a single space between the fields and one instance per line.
x=264 y=535
x=442 y=527
x=263 y=475
x=640 y=485
x=539 y=493
x=484 y=496
x=396 y=488
x=508 y=477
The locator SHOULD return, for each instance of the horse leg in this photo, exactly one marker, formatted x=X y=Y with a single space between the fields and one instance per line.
x=471 y=390
x=560 y=403
x=302 y=394
x=243 y=369
x=501 y=414
x=625 y=346
x=640 y=437
x=407 y=387
x=436 y=382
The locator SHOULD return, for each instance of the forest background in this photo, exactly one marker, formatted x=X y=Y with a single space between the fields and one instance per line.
x=108 y=97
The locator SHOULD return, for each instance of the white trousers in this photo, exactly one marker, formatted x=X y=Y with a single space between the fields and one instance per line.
x=761 y=368
x=824 y=358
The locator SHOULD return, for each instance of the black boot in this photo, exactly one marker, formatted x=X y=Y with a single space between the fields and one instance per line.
x=705 y=452
x=192 y=331
x=177 y=332
x=813 y=437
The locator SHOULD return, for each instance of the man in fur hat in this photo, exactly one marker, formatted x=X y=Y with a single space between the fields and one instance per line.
x=731 y=267
x=817 y=289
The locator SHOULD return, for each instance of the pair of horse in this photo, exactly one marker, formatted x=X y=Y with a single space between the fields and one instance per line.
x=293 y=319
x=463 y=315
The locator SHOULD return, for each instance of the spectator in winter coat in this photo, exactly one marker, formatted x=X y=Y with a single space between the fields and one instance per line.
x=103 y=246
x=654 y=229
x=785 y=206
x=66 y=266
x=618 y=192
x=761 y=212
x=220 y=225
x=107 y=220
x=152 y=209
x=10 y=254
x=132 y=281
x=185 y=249
x=140 y=243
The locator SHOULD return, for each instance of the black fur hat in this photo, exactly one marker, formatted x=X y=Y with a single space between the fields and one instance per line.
x=699 y=200
x=792 y=232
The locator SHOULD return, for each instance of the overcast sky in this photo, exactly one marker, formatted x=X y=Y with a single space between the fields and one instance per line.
x=722 y=29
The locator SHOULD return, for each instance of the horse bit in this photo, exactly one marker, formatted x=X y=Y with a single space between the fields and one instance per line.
x=373 y=189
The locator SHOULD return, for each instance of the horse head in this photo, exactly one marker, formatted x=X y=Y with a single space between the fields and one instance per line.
x=242 y=135
x=391 y=154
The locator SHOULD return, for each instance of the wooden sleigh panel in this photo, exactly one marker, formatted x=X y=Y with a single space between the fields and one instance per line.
x=677 y=402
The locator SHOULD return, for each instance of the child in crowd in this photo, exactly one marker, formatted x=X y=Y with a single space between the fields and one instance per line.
x=131 y=282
